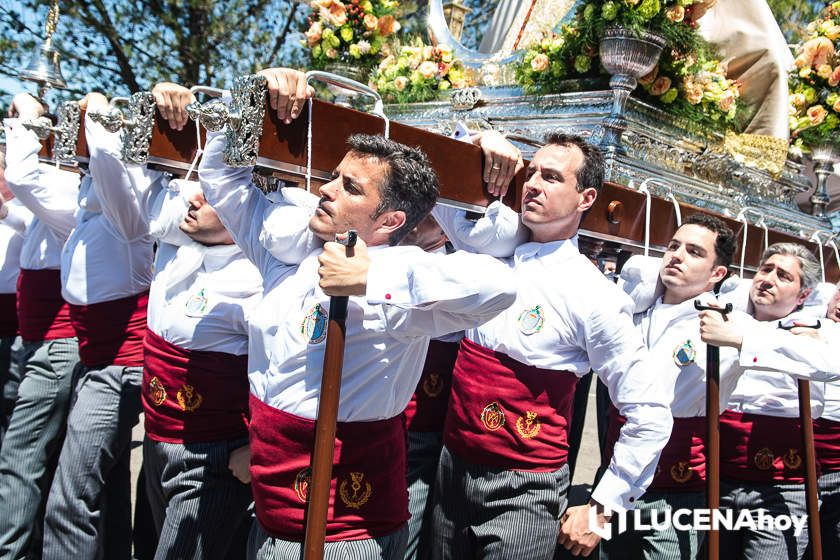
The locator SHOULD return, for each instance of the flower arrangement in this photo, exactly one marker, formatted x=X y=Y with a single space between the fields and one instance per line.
x=417 y=73
x=813 y=83
x=689 y=81
x=349 y=32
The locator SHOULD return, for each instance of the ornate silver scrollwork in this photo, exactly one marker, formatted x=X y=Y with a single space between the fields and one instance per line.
x=212 y=115
x=137 y=128
x=66 y=131
x=464 y=99
x=111 y=120
x=245 y=120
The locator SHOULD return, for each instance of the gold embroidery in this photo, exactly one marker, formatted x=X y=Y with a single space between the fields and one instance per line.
x=433 y=385
x=493 y=417
x=530 y=426
x=681 y=471
x=792 y=460
x=157 y=391
x=359 y=497
x=302 y=482
x=764 y=459
x=189 y=398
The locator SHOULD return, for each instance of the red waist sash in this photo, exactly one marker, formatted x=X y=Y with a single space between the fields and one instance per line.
x=8 y=315
x=827 y=444
x=192 y=396
x=368 y=493
x=426 y=410
x=507 y=414
x=682 y=463
x=761 y=449
x=42 y=312
x=111 y=332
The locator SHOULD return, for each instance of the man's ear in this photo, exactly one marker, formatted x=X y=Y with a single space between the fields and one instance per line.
x=718 y=273
x=390 y=221
x=803 y=295
x=587 y=198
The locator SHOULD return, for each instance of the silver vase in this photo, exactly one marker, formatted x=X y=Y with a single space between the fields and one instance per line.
x=627 y=57
x=824 y=156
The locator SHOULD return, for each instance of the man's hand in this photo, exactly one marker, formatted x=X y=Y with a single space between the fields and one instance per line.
x=287 y=91
x=172 y=100
x=94 y=101
x=240 y=463
x=718 y=329
x=502 y=160
x=26 y=107
x=575 y=534
x=343 y=270
x=833 y=312
x=802 y=329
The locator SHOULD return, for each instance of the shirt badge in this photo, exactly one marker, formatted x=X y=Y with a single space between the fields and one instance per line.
x=684 y=354
x=302 y=482
x=314 y=325
x=528 y=426
x=531 y=320
x=355 y=492
x=188 y=398
x=197 y=304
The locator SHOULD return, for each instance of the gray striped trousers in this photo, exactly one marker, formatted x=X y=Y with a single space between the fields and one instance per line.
x=262 y=546
x=496 y=514
x=423 y=456
x=196 y=502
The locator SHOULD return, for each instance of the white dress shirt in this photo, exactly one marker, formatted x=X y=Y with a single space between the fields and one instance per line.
x=11 y=241
x=411 y=296
x=108 y=256
x=47 y=192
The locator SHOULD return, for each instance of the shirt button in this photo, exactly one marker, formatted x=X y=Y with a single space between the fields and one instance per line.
x=387 y=296
x=755 y=359
x=631 y=499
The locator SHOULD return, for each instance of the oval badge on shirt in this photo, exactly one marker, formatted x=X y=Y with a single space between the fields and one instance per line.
x=531 y=320
x=314 y=325
x=197 y=304
x=684 y=354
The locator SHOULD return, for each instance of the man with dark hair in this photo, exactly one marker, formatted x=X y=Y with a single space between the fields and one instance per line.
x=399 y=297
x=503 y=472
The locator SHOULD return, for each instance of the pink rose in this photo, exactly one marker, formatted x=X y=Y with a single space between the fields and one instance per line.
x=540 y=63
x=834 y=79
x=836 y=106
x=313 y=35
x=798 y=99
x=675 y=13
x=370 y=22
x=331 y=53
x=400 y=83
x=661 y=85
x=335 y=13
x=824 y=71
x=816 y=114
x=388 y=25
x=725 y=102
x=428 y=69
x=650 y=76
x=817 y=51
x=694 y=94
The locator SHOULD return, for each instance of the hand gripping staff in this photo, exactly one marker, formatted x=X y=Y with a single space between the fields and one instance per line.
x=713 y=431
x=807 y=427
x=322 y=454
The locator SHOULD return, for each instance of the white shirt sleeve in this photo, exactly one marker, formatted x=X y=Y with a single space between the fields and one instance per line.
x=618 y=355
x=285 y=231
x=497 y=233
x=431 y=294
x=120 y=190
x=239 y=204
x=767 y=347
x=18 y=217
x=166 y=208
x=54 y=205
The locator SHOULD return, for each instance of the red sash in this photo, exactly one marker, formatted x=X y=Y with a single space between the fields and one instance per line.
x=192 y=396
x=506 y=414
x=682 y=463
x=761 y=449
x=42 y=312
x=426 y=410
x=8 y=315
x=827 y=444
x=111 y=332
x=368 y=493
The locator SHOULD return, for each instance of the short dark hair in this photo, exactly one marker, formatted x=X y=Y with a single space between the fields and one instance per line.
x=410 y=184
x=725 y=240
x=591 y=172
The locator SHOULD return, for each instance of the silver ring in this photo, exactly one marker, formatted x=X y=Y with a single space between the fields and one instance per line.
x=496 y=166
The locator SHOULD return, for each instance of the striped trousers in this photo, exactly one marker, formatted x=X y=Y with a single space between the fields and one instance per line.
x=830 y=514
x=496 y=514
x=665 y=544
x=10 y=373
x=196 y=502
x=422 y=461
x=32 y=442
x=776 y=499
x=262 y=546
x=89 y=506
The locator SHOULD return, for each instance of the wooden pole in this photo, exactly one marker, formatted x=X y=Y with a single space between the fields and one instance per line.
x=811 y=493
x=322 y=454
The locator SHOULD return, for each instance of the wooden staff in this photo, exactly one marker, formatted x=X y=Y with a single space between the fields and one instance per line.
x=713 y=432
x=322 y=454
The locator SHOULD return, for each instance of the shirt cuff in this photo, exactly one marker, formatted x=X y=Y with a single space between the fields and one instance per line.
x=386 y=283
x=615 y=493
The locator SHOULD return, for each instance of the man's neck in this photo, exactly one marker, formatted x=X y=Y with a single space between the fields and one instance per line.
x=671 y=297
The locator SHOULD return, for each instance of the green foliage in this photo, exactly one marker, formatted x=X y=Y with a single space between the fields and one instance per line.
x=793 y=16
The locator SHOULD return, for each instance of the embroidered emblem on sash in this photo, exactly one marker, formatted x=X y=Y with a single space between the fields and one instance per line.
x=360 y=494
x=763 y=459
x=433 y=385
x=792 y=460
x=314 y=325
x=189 y=398
x=302 y=482
x=684 y=354
x=529 y=426
x=493 y=417
x=681 y=471
x=197 y=304
x=157 y=391
x=531 y=320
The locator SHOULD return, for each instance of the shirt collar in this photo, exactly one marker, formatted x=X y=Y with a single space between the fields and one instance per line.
x=560 y=250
